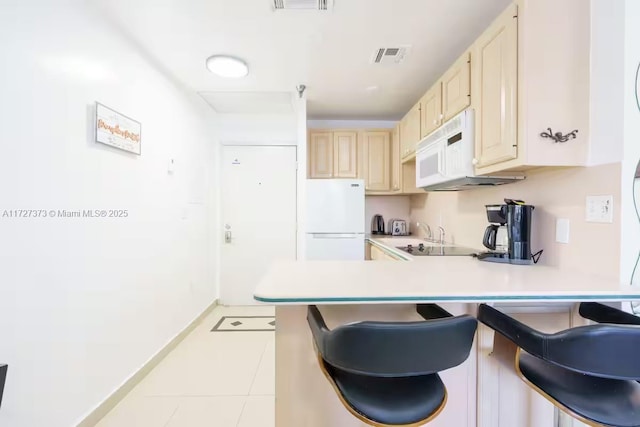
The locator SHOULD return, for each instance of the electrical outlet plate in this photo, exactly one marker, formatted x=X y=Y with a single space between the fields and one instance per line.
x=599 y=209
x=562 y=230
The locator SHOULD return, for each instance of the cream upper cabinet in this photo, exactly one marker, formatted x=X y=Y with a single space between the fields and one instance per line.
x=431 y=117
x=345 y=154
x=456 y=87
x=495 y=57
x=321 y=155
x=377 y=163
x=410 y=133
x=516 y=96
x=396 y=164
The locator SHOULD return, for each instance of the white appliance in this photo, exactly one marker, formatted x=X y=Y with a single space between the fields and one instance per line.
x=335 y=219
x=444 y=159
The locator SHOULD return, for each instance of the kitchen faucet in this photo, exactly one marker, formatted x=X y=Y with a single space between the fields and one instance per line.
x=428 y=236
x=441 y=235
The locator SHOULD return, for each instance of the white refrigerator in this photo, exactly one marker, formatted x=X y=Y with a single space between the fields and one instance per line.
x=335 y=219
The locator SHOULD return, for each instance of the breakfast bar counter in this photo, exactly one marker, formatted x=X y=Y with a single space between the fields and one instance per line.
x=352 y=291
x=437 y=279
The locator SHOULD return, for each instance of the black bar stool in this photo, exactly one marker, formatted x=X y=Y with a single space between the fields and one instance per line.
x=386 y=373
x=589 y=372
x=3 y=379
x=604 y=314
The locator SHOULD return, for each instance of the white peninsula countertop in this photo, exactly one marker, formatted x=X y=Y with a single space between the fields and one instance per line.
x=432 y=279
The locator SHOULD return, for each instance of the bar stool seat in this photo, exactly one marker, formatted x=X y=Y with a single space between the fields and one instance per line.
x=386 y=373
x=611 y=402
x=391 y=401
x=590 y=372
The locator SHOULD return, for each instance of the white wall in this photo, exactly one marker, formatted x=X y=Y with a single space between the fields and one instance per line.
x=607 y=81
x=257 y=129
x=630 y=223
x=85 y=302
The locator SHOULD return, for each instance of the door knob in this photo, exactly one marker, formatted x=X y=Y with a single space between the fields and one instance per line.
x=227 y=233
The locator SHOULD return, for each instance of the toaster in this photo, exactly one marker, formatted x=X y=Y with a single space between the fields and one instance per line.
x=398 y=227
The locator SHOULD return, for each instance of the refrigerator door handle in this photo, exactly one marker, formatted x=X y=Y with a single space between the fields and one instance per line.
x=335 y=236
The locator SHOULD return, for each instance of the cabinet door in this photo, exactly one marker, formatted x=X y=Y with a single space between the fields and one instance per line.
x=376 y=254
x=320 y=155
x=496 y=65
x=431 y=110
x=396 y=165
x=345 y=155
x=410 y=133
x=456 y=85
x=377 y=148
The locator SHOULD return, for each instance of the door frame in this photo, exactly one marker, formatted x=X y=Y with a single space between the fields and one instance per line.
x=219 y=235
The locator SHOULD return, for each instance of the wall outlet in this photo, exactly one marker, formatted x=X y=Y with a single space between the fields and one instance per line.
x=599 y=209
x=562 y=230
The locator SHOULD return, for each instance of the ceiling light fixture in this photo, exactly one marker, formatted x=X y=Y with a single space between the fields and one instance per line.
x=227 y=66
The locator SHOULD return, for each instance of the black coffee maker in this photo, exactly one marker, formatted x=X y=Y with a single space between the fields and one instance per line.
x=516 y=216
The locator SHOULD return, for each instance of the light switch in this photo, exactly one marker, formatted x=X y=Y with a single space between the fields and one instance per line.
x=171 y=166
x=599 y=209
x=562 y=230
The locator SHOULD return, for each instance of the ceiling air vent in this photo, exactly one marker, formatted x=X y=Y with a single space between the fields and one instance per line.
x=390 y=55
x=302 y=4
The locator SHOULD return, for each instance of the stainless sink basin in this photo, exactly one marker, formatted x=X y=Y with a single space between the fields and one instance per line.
x=437 y=250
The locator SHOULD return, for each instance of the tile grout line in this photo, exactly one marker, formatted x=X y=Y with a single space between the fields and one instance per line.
x=258 y=368
x=242 y=411
x=173 y=414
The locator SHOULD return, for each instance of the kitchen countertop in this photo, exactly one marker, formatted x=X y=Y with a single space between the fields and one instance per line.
x=432 y=279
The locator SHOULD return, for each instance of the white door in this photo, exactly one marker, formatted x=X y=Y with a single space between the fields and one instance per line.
x=258 y=216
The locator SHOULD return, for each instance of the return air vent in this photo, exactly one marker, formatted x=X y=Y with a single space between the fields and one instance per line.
x=390 y=55
x=302 y=4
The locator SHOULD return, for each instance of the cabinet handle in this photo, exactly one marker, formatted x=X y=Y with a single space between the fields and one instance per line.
x=435 y=121
x=441 y=116
x=474 y=161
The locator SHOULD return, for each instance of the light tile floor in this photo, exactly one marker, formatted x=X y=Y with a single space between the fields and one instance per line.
x=221 y=379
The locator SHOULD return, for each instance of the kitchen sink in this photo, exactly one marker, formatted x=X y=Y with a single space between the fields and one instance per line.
x=426 y=249
x=407 y=241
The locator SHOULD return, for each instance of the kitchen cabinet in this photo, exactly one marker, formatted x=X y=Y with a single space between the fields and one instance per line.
x=333 y=154
x=431 y=114
x=396 y=161
x=496 y=59
x=523 y=84
x=321 y=155
x=378 y=254
x=449 y=96
x=410 y=132
x=456 y=87
x=345 y=154
x=377 y=163
x=504 y=399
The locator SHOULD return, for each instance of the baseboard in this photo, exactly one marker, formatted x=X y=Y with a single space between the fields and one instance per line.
x=110 y=402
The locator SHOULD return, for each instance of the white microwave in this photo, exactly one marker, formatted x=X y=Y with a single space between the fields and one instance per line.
x=444 y=159
x=447 y=153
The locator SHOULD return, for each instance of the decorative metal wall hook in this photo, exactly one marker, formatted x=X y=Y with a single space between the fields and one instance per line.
x=558 y=136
